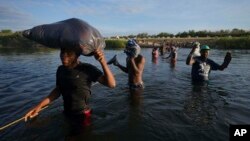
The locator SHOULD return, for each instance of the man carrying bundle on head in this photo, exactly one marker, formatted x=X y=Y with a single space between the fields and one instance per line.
x=134 y=64
x=73 y=78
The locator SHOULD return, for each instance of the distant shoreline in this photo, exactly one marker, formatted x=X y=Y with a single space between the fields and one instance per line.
x=16 y=40
x=214 y=42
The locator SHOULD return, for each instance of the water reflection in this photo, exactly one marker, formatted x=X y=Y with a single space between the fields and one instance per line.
x=172 y=64
x=169 y=105
x=136 y=97
x=155 y=60
x=46 y=126
x=199 y=106
x=135 y=113
x=21 y=51
x=78 y=126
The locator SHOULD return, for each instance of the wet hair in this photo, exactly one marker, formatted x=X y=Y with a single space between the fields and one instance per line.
x=76 y=50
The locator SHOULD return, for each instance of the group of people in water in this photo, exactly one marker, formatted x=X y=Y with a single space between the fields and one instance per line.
x=198 y=58
x=74 y=78
x=162 y=50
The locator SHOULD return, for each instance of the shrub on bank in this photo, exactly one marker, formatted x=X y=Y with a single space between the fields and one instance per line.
x=15 y=40
x=233 y=43
x=115 y=44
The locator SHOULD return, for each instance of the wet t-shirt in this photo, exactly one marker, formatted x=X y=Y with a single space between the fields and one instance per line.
x=74 y=85
x=201 y=69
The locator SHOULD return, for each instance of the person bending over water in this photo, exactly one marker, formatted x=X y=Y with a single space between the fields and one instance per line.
x=134 y=64
x=202 y=65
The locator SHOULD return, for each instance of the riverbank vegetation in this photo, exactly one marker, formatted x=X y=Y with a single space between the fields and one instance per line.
x=192 y=33
x=115 y=43
x=223 y=39
x=9 y=39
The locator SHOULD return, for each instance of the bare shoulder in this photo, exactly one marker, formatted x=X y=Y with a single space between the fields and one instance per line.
x=141 y=59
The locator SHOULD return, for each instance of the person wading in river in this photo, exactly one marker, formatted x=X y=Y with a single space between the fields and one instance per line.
x=202 y=65
x=134 y=65
x=73 y=82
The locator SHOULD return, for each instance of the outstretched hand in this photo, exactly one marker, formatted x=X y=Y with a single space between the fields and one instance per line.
x=228 y=58
x=115 y=63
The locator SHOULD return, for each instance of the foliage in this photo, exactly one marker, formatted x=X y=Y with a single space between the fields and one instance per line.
x=233 y=43
x=164 y=34
x=192 y=33
x=16 y=40
x=142 y=35
x=5 y=31
x=222 y=33
x=223 y=39
x=115 y=43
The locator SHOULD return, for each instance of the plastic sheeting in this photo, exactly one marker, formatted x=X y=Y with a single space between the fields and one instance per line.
x=132 y=48
x=197 y=49
x=72 y=33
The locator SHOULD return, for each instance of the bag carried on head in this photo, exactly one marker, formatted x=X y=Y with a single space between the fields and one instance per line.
x=132 y=49
x=70 y=33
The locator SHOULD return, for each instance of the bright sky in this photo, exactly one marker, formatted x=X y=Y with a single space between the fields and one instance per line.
x=126 y=17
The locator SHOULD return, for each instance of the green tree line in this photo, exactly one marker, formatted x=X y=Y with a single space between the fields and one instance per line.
x=234 y=39
x=192 y=33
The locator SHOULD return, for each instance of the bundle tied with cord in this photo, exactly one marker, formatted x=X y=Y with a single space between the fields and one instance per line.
x=71 y=33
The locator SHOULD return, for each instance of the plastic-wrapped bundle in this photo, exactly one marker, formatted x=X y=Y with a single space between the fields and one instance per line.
x=72 y=33
x=132 y=48
x=197 y=49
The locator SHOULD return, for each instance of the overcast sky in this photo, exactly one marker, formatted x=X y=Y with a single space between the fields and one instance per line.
x=125 y=17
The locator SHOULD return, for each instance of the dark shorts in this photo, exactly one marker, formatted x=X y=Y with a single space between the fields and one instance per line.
x=82 y=113
x=139 y=85
x=80 y=116
x=78 y=121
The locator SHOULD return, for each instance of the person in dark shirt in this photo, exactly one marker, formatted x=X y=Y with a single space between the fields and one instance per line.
x=73 y=82
x=202 y=65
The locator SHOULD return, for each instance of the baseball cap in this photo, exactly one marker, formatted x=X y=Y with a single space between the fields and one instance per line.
x=205 y=47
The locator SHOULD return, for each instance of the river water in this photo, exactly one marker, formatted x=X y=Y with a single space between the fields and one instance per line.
x=169 y=108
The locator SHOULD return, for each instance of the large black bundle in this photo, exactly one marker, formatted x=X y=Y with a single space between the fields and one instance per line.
x=72 y=33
